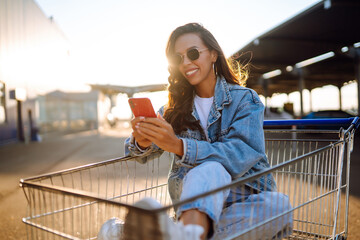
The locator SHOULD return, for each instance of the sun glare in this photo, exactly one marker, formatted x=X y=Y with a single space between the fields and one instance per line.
x=128 y=48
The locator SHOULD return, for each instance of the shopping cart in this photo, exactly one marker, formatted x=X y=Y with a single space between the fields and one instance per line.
x=311 y=167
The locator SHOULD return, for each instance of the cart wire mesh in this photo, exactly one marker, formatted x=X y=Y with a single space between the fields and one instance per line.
x=310 y=166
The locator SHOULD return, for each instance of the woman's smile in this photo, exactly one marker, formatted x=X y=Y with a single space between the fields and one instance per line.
x=191 y=72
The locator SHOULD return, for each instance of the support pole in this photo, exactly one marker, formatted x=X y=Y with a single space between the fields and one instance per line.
x=20 y=126
x=357 y=76
x=113 y=100
x=301 y=89
x=265 y=85
x=310 y=99
x=340 y=97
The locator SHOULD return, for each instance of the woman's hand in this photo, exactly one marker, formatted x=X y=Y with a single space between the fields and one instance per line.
x=161 y=133
x=140 y=140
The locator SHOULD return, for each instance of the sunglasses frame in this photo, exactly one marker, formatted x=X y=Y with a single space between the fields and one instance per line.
x=182 y=56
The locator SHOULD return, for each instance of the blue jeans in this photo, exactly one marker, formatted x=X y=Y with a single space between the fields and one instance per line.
x=229 y=219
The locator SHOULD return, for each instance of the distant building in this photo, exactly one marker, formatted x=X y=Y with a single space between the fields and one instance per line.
x=33 y=54
x=60 y=111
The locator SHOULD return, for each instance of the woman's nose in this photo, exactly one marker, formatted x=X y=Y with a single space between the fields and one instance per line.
x=186 y=60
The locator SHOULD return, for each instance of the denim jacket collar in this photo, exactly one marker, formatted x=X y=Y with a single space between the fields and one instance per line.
x=222 y=93
x=222 y=97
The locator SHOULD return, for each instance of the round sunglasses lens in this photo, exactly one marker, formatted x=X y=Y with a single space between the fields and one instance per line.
x=193 y=54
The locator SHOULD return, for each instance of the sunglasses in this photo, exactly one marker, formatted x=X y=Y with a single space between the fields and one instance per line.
x=192 y=54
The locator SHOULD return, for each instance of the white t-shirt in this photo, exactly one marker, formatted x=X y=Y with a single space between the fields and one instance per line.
x=203 y=106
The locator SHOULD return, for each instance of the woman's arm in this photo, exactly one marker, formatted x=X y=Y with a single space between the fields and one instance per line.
x=239 y=150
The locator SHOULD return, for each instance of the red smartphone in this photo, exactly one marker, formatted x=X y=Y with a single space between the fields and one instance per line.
x=141 y=107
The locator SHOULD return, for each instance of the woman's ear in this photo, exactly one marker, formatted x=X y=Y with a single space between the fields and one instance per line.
x=214 y=56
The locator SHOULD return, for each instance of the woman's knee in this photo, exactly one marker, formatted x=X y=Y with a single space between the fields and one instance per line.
x=209 y=172
x=278 y=200
x=211 y=169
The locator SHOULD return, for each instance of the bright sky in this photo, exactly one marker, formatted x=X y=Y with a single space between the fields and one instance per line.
x=123 y=41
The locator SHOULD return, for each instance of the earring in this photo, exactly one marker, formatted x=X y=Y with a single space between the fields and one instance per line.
x=213 y=66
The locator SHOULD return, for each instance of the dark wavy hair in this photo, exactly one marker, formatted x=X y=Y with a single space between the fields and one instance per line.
x=178 y=111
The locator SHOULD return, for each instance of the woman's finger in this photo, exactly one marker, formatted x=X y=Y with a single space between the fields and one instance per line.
x=149 y=130
x=157 y=125
x=147 y=125
x=156 y=121
x=136 y=120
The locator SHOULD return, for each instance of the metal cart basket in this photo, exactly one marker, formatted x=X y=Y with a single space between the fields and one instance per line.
x=310 y=165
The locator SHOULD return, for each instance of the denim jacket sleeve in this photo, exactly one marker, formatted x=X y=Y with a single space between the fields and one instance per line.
x=240 y=148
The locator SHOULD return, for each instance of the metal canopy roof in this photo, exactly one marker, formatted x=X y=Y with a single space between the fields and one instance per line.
x=325 y=27
x=130 y=91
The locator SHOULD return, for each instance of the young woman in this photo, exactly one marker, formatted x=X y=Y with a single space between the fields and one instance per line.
x=214 y=127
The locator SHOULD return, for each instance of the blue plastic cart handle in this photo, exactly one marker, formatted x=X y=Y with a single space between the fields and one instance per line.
x=356 y=122
x=314 y=122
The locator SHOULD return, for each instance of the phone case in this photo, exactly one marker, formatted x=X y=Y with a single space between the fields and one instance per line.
x=141 y=107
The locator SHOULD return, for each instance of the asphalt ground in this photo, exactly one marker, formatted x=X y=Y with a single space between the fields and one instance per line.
x=60 y=152
x=54 y=153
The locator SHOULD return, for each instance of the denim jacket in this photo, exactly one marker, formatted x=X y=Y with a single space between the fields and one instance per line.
x=235 y=139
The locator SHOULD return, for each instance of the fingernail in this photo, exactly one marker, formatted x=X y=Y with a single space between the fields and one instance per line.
x=142 y=118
